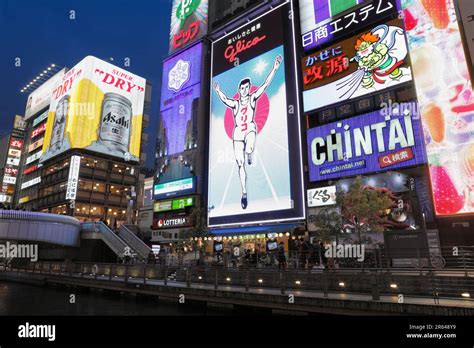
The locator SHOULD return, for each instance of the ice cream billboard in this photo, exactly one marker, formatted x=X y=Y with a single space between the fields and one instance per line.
x=188 y=22
x=446 y=101
x=41 y=97
x=254 y=141
x=99 y=107
x=378 y=141
x=369 y=62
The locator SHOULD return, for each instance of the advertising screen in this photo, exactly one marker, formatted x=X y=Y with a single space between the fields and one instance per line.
x=174 y=188
x=446 y=101
x=321 y=22
x=369 y=62
x=180 y=87
x=41 y=97
x=254 y=124
x=176 y=204
x=377 y=141
x=99 y=107
x=188 y=22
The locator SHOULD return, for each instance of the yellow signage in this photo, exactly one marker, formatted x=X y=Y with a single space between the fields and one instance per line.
x=99 y=107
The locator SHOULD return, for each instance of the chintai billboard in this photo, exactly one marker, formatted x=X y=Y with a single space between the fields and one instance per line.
x=373 y=142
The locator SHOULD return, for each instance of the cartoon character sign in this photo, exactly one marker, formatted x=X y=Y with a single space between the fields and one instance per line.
x=367 y=63
x=376 y=56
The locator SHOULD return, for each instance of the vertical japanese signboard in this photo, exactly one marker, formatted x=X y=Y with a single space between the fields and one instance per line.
x=254 y=141
x=73 y=179
x=188 y=22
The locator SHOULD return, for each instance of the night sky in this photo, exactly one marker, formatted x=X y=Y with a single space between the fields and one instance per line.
x=40 y=32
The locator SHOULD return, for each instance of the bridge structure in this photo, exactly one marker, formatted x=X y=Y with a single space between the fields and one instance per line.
x=65 y=231
x=377 y=288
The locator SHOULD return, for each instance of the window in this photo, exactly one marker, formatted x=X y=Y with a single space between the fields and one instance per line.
x=61 y=209
x=57 y=167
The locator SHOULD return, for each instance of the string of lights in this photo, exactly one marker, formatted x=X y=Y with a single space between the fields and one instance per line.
x=41 y=78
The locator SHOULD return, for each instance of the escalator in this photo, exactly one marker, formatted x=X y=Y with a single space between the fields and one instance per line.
x=120 y=245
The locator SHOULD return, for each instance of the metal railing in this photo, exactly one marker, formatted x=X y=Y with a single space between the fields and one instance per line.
x=114 y=242
x=376 y=282
x=37 y=216
x=134 y=242
x=461 y=257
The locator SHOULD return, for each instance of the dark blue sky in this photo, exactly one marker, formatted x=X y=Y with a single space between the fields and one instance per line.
x=40 y=32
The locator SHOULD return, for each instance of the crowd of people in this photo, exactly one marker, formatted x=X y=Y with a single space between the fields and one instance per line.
x=301 y=254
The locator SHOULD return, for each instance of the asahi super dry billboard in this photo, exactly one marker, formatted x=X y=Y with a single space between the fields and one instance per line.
x=99 y=107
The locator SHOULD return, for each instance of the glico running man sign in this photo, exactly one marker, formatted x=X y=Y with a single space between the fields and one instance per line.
x=254 y=124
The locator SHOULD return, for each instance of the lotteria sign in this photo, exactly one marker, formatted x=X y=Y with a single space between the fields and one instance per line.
x=172 y=222
x=384 y=140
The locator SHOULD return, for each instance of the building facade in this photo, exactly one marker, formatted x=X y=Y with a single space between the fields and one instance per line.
x=83 y=152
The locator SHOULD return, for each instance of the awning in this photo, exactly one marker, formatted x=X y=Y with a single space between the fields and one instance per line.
x=279 y=228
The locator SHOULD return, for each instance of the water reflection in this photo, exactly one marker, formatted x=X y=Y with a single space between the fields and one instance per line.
x=22 y=299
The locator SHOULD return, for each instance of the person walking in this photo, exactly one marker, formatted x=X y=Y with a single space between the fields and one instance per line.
x=281 y=256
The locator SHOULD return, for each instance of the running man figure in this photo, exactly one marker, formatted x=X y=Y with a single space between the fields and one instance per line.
x=245 y=130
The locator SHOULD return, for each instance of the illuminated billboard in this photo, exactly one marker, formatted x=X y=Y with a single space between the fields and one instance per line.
x=446 y=101
x=176 y=204
x=181 y=86
x=41 y=97
x=174 y=188
x=99 y=107
x=254 y=124
x=188 y=22
x=369 y=62
x=377 y=141
x=323 y=21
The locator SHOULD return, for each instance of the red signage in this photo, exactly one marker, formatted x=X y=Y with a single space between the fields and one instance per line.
x=16 y=143
x=393 y=158
x=11 y=171
x=185 y=36
x=41 y=129
x=30 y=169
x=232 y=51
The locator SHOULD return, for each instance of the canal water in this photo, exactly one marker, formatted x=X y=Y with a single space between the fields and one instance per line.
x=27 y=300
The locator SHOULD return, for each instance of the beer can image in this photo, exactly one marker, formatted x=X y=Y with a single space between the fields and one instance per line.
x=59 y=125
x=115 y=122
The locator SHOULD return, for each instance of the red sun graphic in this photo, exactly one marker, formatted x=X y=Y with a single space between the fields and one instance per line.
x=262 y=109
